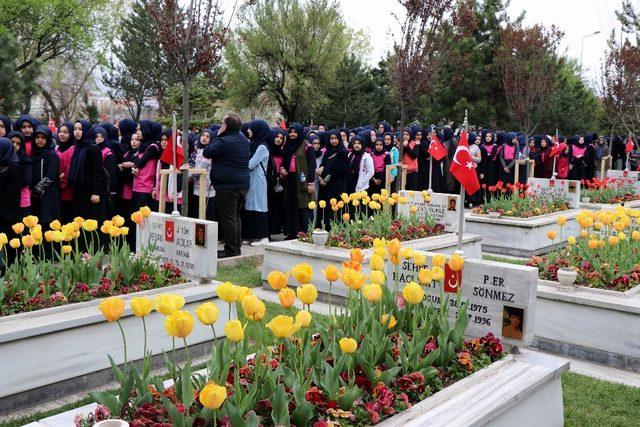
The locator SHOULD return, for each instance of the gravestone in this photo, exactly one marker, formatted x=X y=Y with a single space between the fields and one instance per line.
x=442 y=208
x=191 y=244
x=633 y=176
x=556 y=188
x=500 y=297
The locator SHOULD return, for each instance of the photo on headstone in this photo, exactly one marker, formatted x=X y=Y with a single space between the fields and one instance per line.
x=201 y=235
x=512 y=322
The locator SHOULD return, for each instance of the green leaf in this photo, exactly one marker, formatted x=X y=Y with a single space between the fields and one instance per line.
x=117 y=372
x=235 y=418
x=187 y=387
x=346 y=400
x=107 y=399
x=388 y=375
x=177 y=417
x=303 y=414
x=280 y=407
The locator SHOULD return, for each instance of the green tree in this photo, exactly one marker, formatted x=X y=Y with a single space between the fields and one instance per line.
x=204 y=94
x=138 y=68
x=288 y=51
x=14 y=86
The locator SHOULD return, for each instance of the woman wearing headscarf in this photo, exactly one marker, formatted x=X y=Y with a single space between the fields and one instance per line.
x=332 y=175
x=45 y=180
x=424 y=167
x=64 y=150
x=275 y=188
x=10 y=186
x=255 y=221
x=475 y=143
x=144 y=166
x=86 y=175
x=201 y=162
x=318 y=149
x=110 y=165
x=390 y=146
x=410 y=157
x=360 y=169
x=489 y=166
x=162 y=165
x=600 y=151
x=297 y=171
x=581 y=157
x=449 y=140
x=5 y=126
x=508 y=154
x=26 y=170
x=381 y=160
x=27 y=125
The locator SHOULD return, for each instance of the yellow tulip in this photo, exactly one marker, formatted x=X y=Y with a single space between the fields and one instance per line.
x=112 y=308
x=253 y=308
x=356 y=203
x=114 y=231
x=179 y=324
x=227 y=292
x=376 y=262
x=90 y=225
x=406 y=253
x=234 y=331
x=372 y=292
x=456 y=262
x=353 y=279
x=419 y=259
x=30 y=221
x=18 y=228
x=28 y=241
x=393 y=247
x=137 y=217
x=413 y=293
x=348 y=345
x=278 y=280
x=243 y=292
x=331 y=273
x=307 y=293
x=635 y=235
x=36 y=233
x=118 y=221
x=598 y=225
x=141 y=306
x=283 y=326
x=340 y=204
x=613 y=240
x=66 y=249
x=392 y=321
x=3 y=239
x=303 y=318
x=593 y=244
x=425 y=276
x=124 y=231
x=312 y=205
x=439 y=260
x=322 y=204
x=345 y=197
x=346 y=217
x=551 y=235
x=302 y=272
x=14 y=243
x=438 y=273
x=377 y=277
x=168 y=303
x=212 y=396
x=207 y=313
x=78 y=220
x=622 y=236
x=571 y=240
x=413 y=209
x=561 y=220
x=55 y=225
x=145 y=211
x=583 y=233
x=379 y=243
x=287 y=297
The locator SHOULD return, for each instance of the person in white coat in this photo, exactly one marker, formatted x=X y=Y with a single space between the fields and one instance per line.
x=361 y=167
x=255 y=221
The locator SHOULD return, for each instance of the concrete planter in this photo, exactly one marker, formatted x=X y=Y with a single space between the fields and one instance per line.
x=521 y=237
x=284 y=255
x=523 y=390
x=634 y=204
x=53 y=352
x=594 y=324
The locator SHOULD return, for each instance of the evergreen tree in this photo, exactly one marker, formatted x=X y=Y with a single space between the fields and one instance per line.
x=15 y=86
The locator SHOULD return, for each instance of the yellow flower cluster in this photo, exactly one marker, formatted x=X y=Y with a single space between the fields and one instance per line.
x=374 y=202
x=611 y=227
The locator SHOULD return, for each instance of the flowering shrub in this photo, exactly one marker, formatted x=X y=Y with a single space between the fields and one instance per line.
x=66 y=264
x=387 y=350
x=517 y=201
x=358 y=220
x=609 y=190
x=605 y=254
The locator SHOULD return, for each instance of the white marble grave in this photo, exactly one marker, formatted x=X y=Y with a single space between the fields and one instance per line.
x=556 y=188
x=442 y=208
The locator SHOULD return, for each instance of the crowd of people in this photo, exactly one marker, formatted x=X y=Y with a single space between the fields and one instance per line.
x=260 y=179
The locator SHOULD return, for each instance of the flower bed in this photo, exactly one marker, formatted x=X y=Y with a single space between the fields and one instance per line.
x=516 y=201
x=69 y=264
x=605 y=254
x=358 y=220
x=375 y=359
x=611 y=191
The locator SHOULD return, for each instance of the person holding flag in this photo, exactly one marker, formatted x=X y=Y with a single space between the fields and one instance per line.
x=463 y=167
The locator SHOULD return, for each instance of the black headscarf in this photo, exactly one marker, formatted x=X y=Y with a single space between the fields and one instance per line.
x=151 y=133
x=277 y=150
x=338 y=148
x=8 y=155
x=356 y=156
x=99 y=130
x=127 y=128
x=293 y=144
x=260 y=134
x=38 y=153
x=7 y=124
x=22 y=149
x=76 y=170
x=63 y=146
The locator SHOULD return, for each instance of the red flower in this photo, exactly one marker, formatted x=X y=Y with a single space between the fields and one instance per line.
x=315 y=396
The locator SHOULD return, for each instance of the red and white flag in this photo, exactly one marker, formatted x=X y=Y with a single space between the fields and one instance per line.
x=436 y=149
x=629 y=146
x=463 y=168
x=167 y=154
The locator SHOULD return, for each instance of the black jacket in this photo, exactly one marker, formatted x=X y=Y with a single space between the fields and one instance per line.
x=229 y=154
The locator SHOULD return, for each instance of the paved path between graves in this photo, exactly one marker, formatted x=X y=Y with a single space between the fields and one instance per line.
x=578 y=366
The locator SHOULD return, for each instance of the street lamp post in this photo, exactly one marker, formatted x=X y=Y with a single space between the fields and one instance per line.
x=582 y=45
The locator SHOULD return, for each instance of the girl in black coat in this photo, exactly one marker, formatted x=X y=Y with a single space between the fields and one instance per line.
x=110 y=165
x=45 y=181
x=86 y=175
x=25 y=167
x=332 y=176
x=9 y=191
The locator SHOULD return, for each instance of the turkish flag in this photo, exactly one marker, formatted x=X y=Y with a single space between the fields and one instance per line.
x=436 y=149
x=452 y=280
x=167 y=154
x=169 y=231
x=463 y=168
x=630 y=145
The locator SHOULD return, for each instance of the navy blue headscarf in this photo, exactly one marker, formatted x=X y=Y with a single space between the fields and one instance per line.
x=127 y=128
x=338 y=148
x=7 y=124
x=76 y=170
x=294 y=144
x=7 y=154
x=62 y=146
x=99 y=130
x=38 y=153
x=260 y=134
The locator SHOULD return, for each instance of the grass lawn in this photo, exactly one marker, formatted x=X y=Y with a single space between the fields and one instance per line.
x=502 y=259
x=590 y=402
x=244 y=274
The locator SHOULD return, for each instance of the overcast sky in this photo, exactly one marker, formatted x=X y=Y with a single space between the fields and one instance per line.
x=576 y=18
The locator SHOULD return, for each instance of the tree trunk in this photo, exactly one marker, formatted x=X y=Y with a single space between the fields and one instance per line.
x=185 y=147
